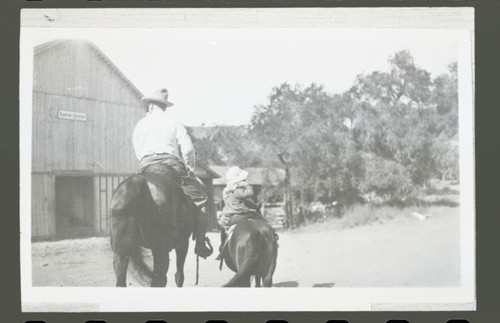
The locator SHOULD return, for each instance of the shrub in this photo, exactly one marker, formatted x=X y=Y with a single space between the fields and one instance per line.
x=385 y=181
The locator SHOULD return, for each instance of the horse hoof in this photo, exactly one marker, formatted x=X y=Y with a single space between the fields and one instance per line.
x=179 y=279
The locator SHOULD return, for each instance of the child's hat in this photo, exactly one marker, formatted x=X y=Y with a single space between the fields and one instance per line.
x=235 y=175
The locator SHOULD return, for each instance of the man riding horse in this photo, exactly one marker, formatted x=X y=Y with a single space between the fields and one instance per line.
x=160 y=139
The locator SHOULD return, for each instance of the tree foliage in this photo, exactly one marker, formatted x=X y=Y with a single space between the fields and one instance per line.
x=387 y=135
x=230 y=145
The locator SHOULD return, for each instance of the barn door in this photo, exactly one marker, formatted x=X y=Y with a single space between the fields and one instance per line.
x=74 y=207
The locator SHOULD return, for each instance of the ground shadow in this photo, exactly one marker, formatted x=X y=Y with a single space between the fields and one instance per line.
x=287 y=284
x=328 y=285
x=296 y=284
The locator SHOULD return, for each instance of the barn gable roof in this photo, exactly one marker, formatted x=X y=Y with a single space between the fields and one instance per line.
x=50 y=44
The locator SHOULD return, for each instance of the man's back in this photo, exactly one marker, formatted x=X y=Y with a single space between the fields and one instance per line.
x=160 y=133
x=160 y=139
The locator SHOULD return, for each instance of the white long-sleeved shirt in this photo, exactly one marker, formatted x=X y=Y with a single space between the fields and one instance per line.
x=160 y=132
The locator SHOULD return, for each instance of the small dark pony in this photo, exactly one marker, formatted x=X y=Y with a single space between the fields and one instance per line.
x=252 y=250
x=150 y=210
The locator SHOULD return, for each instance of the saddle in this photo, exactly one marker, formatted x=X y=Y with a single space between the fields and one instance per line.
x=174 y=177
x=163 y=169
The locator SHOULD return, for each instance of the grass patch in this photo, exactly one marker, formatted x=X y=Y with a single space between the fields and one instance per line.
x=361 y=215
x=439 y=198
x=431 y=190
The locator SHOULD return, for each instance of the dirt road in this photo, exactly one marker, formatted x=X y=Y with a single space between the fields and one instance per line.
x=401 y=253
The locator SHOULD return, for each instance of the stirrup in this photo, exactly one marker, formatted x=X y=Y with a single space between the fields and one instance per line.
x=203 y=253
x=219 y=256
x=207 y=248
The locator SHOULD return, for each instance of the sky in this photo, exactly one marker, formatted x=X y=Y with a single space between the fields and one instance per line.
x=218 y=75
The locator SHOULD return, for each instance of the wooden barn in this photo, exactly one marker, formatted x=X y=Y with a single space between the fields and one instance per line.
x=84 y=112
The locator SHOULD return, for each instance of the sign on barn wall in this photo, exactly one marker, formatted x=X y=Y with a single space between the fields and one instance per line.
x=70 y=115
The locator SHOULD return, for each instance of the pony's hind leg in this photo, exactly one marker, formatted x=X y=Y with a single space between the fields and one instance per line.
x=181 y=253
x=268 y=281
x=120 y=264
x=161 y=263
x=245 y=281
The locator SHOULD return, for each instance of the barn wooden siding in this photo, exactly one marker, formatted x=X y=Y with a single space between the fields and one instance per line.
x=43 y=204
x=71 y=145
x=73 y=76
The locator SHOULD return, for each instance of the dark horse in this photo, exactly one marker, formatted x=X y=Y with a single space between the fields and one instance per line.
x=252 y=250
x=150 y=210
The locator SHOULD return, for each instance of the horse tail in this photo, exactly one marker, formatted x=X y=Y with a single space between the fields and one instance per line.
x=130 y=199
x=248 y=254
x=144 y=272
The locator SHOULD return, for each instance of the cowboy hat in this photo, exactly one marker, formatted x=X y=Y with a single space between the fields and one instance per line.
x=158 y=96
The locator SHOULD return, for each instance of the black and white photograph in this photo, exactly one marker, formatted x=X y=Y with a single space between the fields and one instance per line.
x=292 y=159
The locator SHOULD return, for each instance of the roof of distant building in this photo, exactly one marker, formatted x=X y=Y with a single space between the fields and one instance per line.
x=256 y=175
x=204 y=171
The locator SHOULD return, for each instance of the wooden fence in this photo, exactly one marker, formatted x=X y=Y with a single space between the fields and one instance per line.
x=275 y=213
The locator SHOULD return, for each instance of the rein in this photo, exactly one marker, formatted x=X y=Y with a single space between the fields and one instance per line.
x=197 y=270
x=207 y=240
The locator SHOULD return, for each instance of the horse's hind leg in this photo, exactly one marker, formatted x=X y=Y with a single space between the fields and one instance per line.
x=181 y=253
x=257 y=281
x=161 y=263
x=120 y=266
x=121 y=242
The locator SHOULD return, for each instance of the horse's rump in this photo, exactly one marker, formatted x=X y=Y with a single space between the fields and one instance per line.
x=149 y=210
x=252 y=251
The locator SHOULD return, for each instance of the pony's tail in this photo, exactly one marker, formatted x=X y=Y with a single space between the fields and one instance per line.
x=250 y=256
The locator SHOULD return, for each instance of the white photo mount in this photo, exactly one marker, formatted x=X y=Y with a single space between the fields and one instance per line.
x=432 y=24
